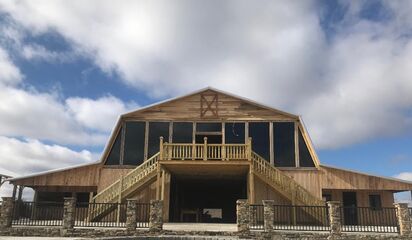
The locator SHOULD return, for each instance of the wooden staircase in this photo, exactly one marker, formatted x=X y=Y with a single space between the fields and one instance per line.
x=147 y=172
x=282 y=183
x=125 y=186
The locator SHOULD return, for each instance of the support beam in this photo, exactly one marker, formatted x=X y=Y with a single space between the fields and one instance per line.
x=158 y=183
x=297 y=162
x=162 y=195
x=271 y=148
x=20 y=195
x=14 y=192
x=251 y=187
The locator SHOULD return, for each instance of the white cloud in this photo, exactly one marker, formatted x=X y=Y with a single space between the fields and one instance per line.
x=404 y=176
x=100 y=114
x=42 y=116
x=351 y=87
x=30 y=156
x=9 y=73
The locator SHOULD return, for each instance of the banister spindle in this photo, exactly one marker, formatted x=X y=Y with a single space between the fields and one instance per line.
x=205 y=149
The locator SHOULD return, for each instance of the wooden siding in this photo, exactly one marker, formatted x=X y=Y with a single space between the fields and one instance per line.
x=78 y=176
x=265 y=192
x=109 y=175
x=362 y=196
x=309 y=179
x=333 y=178
x=189 y=109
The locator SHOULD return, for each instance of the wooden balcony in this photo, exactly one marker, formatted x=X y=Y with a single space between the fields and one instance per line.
x=205 y=151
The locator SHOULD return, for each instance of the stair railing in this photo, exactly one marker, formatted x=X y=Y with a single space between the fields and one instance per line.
x=283 y=181
x=205 y=151
x=115 y=190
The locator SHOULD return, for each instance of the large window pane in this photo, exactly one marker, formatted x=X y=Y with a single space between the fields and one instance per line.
x=134 y=143
x=259 y=132
x=114 y=155
x=157 y=130
x=182 y=132
x=284 y=144
x=235 y=132
x=208 y=127
x=305 y=159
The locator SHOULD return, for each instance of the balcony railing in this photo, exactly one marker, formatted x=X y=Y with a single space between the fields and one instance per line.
x=205 y=151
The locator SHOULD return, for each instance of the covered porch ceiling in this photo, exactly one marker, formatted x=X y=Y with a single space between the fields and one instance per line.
x=207 y=169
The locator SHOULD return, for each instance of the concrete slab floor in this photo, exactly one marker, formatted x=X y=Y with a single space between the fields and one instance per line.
x=203 y=227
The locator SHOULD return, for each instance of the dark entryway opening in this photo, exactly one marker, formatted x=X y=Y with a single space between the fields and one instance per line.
x=350 y=213
x=205 y=200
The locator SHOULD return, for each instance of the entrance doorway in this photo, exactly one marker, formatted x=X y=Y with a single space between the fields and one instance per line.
x=205 y=200
x=350 y=213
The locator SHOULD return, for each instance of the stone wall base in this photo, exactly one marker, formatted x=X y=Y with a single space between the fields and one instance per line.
x=106 y=233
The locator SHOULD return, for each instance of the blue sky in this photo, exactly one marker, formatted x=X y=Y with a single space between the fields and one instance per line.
x=69 y=68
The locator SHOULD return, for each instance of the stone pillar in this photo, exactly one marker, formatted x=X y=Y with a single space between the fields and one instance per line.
x=68 y=212
x=243 y=215
x=404 y=219
x=335 y=218
x=156 y=215
x=253 y=215
x=131 y=220
x=268 y=214
x=6 y=212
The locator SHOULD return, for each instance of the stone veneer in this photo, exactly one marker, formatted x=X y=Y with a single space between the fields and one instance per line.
x=156 y=215
x=404 y=219
x=243 y=215
x=131 y=219
x=68 y=212
x=268 y=214
x=119 y=234
x=6 y=214
x=335 y=218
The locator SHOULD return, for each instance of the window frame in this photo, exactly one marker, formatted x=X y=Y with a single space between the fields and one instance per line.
x=375 y=199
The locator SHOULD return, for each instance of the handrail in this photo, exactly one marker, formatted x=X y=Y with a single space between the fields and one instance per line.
x=115 y=189
x=204 y=151
x=286 y=183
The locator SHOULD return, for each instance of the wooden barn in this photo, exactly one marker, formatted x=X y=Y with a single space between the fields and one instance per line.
x=201 y=152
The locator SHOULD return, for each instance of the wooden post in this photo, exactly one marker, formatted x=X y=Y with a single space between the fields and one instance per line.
x=193 y=150
x=223 y=156
x=158 y=183
x=296 y=132
x=14 y=191
x=205 y=149
x=293 y=205
x=251 y=186
x=162 y=193
x=20 y=194
x=249 y=149
x=90 y=197
x=161 y=149
x=119 y=200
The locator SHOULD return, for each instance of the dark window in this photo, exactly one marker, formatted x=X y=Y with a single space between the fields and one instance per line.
x=305 y=159
x=157 y=130
x=182 y=132
x=259 y=132
x=134 y=143
x=114 y=155
x=235 y=132
x=208 y=127
x=375 y=201
x=327 y=197
x=284 y=144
